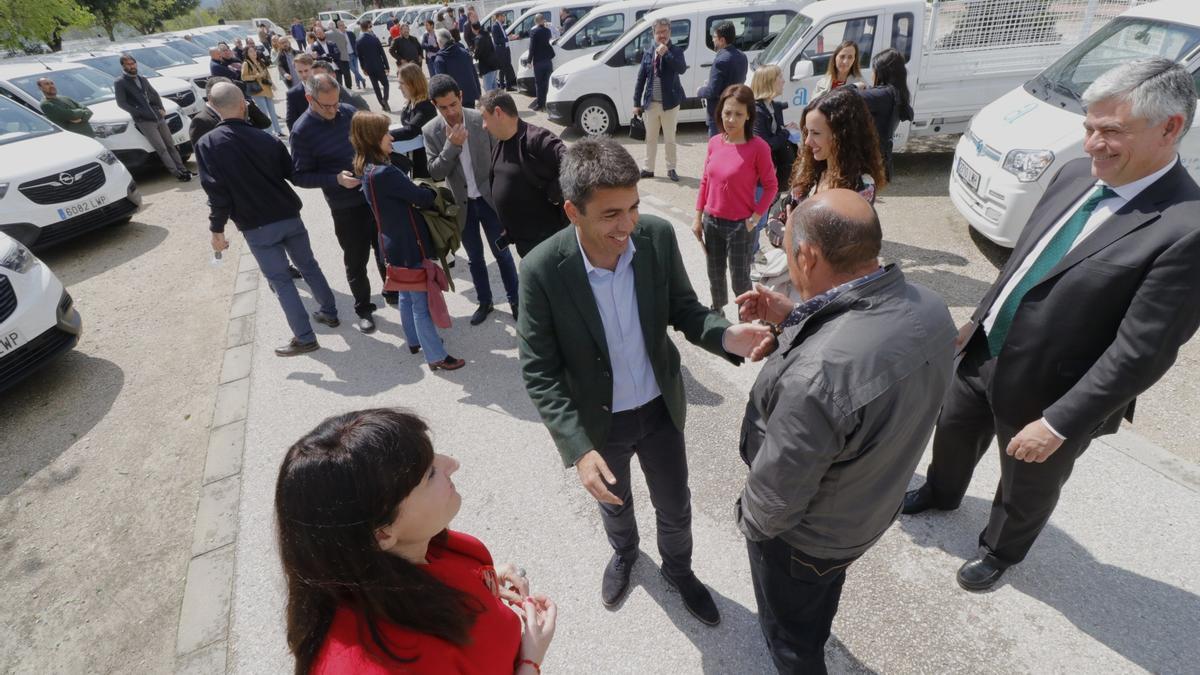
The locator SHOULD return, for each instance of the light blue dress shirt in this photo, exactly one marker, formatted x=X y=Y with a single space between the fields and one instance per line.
x=633 y=377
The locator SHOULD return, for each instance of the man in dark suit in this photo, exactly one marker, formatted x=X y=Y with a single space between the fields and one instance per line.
x=541 y=55
x=297 y=101
x=596 y=301
x=1101 y=290
x=729 y=67
x=658 y=94
x=507 y=79
x=374 y=63
x=209 y=117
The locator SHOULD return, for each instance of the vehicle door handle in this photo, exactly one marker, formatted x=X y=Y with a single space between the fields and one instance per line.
x=706 y=65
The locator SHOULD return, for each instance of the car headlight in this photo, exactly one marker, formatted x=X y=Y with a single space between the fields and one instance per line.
x=16 y=257
x=558 y=81
x=3 y=190
x=106 y=130
x=1028 y=165
x=107 y=157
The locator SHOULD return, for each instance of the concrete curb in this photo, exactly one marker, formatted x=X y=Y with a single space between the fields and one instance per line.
x=202 y=641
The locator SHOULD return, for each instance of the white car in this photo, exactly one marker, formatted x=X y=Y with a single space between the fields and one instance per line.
x=328 y=19
x=181 y=92
x=168 y=61
x=192 y=48
x=65 y=183
x=113 y=127
x=38 y=320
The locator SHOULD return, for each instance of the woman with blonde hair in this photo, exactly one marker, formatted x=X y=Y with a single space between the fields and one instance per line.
x=843 y=69
x=767 y=85
x=418 y=110
x=404 y=236
x=256 y=73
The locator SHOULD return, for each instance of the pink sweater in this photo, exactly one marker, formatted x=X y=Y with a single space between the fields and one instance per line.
x=731 y=172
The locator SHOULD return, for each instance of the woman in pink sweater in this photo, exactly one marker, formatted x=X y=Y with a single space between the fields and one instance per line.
x=726 y=211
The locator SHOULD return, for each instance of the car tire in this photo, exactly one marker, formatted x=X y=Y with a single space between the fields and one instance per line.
x=595 y=116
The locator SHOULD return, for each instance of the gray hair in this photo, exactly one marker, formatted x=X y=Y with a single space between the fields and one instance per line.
x=443 y=37
x=319 y=84
x=126 y=56
x=226 y=99
x=847 y=243
x=593 y=163
x=661 y=22
x=1157 y=88
x=214 y=81
x=214 y=51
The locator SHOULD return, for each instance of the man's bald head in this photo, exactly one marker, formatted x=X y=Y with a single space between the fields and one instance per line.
x=842 y=226
x=227 y=100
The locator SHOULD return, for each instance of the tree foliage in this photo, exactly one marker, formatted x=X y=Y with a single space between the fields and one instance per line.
x=23 y=21
x=149 y=16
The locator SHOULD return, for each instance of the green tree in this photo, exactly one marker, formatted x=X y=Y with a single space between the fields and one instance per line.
x=107 y=13
x=148 y=16
x=38 y=21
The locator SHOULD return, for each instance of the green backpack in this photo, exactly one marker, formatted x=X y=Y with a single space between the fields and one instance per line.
x=442 y=219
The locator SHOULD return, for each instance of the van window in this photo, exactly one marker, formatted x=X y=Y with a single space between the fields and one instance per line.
x=578 y=12
x=1119 y=41
x=752 y=29
x=681 y=33
x=902 y=33
x=598 y=32
x=521 y=31
x=820 y=48
x=640 y=13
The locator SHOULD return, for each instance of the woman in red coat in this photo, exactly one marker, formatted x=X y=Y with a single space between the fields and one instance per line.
x=377 y=583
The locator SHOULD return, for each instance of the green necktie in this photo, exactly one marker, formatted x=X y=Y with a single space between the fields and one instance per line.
x=1055 y=251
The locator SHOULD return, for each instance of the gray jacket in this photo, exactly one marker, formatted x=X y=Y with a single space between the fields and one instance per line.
x=343 y=43
x=840 y=416
x=445 y=163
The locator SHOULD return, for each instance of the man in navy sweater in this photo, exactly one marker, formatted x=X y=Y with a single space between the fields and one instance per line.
x=322 y=157
x=244 y=172
x=729 y=67
x=454 y=60
x=541 y=54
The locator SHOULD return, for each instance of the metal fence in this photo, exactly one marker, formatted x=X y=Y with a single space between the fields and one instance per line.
x=966 y=25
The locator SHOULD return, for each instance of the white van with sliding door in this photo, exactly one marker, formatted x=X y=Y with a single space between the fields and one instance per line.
x=596 y=30
x=518 y=31
x=595 y=93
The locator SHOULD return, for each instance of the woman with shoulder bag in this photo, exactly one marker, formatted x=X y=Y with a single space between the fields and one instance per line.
x=377 y=582
x=767 y=86
x=404 y=239
x=256 y=73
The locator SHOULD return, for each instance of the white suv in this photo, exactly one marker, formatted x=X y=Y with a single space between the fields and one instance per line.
x=64 y=184
x=38 y=320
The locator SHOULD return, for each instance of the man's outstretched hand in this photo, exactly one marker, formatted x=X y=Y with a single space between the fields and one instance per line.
x=750 y=340
x=763 y=304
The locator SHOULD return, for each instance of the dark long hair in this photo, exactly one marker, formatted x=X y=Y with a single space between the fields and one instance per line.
x=891 y=71
x=337 y=486
x=855 y=143
x=740 y=93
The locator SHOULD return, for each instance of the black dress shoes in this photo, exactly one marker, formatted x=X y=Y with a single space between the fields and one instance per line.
x=979 y=575
x=295 y=348
x=365 y=324
x=673 y=176
x=330 y=320
x=480 y=314
x=647 y=174
x=294 y=273
x=514 y=312
x=616 y=580
x=696 y=598
x=921 y=499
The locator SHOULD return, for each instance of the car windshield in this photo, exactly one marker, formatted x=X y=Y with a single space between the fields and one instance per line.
x=161 y=57
x=190 y=48
x=791 y=33
x=110 y=64
x=18 y=123
x=85 y=85
x=619 y=45
x=1121 y=40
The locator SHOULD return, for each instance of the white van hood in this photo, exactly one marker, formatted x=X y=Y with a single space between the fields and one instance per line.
x=169 y=85
x=576 y=65
x=108 y=112
x=1020 y=120
x=49 y=154
x=187 y=71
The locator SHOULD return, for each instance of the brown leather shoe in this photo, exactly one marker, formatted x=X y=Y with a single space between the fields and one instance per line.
x=448 y=363
x=295 y=348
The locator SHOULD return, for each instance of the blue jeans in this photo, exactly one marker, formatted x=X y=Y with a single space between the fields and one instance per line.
x=480 y=216
x=418 y=325
x=267 y=105
x=358 y=78
x=271 y=246
x=489 y=80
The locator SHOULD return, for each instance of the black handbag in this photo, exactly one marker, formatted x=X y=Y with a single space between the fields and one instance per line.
x=253 y=88
x=637 y=129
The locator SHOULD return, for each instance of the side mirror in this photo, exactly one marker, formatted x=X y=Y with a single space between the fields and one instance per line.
x=803 y=69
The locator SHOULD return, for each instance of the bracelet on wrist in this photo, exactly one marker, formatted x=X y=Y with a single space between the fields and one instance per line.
x=536 y=667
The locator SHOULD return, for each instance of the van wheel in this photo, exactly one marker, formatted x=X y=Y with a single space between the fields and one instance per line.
x=596 y=117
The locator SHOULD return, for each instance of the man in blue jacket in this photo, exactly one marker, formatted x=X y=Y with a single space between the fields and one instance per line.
x=729 y=67
x=507 y=79
x=541 y=54
x=454 y=60
x=658 y=94
x=374 y=63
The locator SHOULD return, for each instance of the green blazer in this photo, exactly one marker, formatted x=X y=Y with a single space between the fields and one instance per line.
x=560 y=336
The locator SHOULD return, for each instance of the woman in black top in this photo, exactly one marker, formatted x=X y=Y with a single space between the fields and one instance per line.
x=418 y=110
x=888 y=100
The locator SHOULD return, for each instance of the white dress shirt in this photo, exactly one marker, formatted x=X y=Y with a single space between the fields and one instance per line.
x=468 y=170
x=633 y=380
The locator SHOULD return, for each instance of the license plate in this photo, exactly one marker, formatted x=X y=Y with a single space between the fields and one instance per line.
x=968 y=175
x=9 y=341
x=82 y=207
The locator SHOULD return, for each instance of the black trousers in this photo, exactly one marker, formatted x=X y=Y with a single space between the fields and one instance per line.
x=379 y=82
x=649 y=433
x=356 y=233
x=507 y=77
x=343 y=74
x=1027 y=493
x=797 y=598
x=541 y=80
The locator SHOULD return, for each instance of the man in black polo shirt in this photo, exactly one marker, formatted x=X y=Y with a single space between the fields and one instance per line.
x=322 y=157
x=244 y=171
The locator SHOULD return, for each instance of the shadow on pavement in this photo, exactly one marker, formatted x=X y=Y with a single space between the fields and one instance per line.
x=922 y=266
x=1149 y=622
x=996 y=254
x=698 y=394
x=98 y=251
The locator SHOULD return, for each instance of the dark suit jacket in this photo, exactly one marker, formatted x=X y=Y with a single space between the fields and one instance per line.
x=485 y=53
x=560 y=336
x=539 y=44
x=729 y=67
x=296 y=104
x=143 y=107
x=453 y=60
x=370 y=55
x=1108 y=320
x=671 y=66
x=207 y=119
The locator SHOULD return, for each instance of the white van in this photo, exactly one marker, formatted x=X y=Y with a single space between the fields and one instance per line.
x=595 y=31
x=183 y=93
x=511 y=11
x=595 y=93
x=168 y=61
x=113 y=127
x=1016 y=145
x=192 y=48
x=518 y=31
x=64 y=184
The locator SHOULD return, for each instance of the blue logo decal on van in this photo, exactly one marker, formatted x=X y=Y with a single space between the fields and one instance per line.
x=801 y=98
x=1019 y=112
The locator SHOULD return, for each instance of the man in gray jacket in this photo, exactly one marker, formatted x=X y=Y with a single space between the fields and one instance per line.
x=838 y=418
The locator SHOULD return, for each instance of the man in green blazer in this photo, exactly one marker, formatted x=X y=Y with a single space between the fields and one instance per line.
x=595 y=303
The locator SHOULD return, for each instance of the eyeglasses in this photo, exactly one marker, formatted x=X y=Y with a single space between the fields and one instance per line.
x=325 y=106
